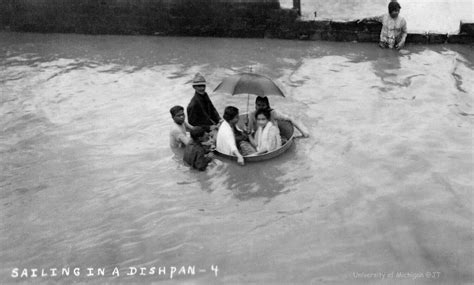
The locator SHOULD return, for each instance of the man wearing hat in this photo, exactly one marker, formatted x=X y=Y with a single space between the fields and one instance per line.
x=201 y=111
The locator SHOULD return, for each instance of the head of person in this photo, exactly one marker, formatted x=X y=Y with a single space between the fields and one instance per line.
x=231 y=114
x=198 y=134
x=394 y=9
x=262 y=117
x=262 y=103
x=199 y=83
x=177 y=113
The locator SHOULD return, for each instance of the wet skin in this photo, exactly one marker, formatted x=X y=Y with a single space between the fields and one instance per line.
x=179 y=118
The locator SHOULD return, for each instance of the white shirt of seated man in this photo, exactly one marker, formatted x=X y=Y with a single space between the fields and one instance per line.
x=225 y=142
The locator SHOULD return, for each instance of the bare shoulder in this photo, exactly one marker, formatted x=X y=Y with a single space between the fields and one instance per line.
x=280 y=116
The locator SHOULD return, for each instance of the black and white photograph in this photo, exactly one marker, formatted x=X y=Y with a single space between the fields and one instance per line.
x=237 y=142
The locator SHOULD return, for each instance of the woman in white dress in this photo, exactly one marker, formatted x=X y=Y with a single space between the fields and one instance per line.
x=226 y=141
x=267 y=136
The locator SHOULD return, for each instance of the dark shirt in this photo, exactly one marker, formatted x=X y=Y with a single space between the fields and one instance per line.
x=201 y=111
x=194 y=155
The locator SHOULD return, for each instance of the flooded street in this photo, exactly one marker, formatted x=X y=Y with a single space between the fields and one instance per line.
x=384 y=184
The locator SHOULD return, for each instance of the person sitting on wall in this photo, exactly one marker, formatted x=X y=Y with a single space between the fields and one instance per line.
x=178 y=136
x=394 y=27
x=201 y=111
x=264 y=103
x=226 y=139
x=195 y=155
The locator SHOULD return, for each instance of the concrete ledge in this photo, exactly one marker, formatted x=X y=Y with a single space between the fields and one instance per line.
x=461 y=39
x=437 y=38
x=362 y=32
x=427 y=38
x=418 y=38
x=466 y=28
x=348 y=32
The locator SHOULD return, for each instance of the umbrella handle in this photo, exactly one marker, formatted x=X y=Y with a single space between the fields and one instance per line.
x=248 y=114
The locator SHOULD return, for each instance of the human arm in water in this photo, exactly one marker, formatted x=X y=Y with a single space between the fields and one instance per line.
x=403 y=36
x=297 y=125
x=303 y=132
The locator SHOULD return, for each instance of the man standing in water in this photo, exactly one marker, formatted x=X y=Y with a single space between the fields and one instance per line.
x=178 y=137
x=394 y=27
x=201 y=111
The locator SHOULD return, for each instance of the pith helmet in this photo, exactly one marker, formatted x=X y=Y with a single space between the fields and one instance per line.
x=199 y=79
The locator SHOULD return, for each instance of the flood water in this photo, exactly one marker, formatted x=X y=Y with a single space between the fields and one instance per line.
x=384 y=184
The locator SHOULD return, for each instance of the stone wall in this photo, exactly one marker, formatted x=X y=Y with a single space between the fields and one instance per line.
x=216 y=18
x=232 y=18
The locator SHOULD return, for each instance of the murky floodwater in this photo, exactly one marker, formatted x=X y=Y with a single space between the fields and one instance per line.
x=440 y=16
x=87 y=178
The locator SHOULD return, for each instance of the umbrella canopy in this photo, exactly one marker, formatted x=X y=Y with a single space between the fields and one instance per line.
x=249 y=83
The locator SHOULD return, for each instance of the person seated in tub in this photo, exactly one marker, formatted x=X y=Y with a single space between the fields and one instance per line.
x=263 y=103
x=178 y=136
x=226 y=139
x=267 y=136
x=242 y=140
x=394 y=27
x=195 y=154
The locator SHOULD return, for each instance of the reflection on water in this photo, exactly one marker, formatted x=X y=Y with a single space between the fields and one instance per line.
x=87 y=178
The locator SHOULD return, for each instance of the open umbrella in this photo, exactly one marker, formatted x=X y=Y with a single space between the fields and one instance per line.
x=249 y=84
